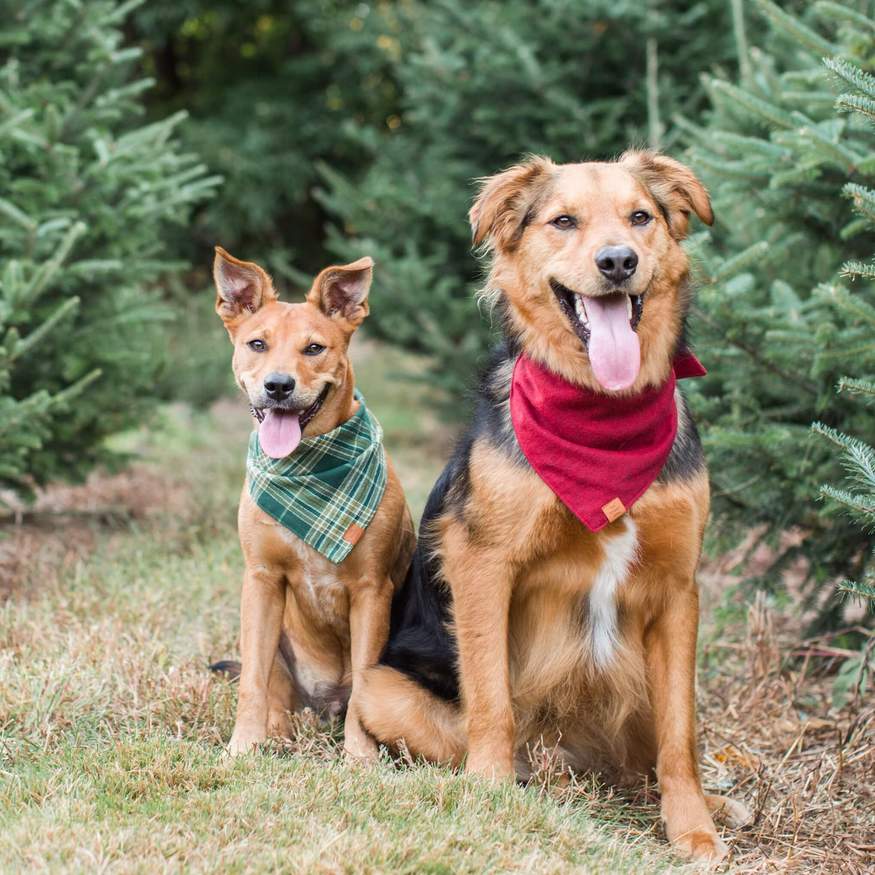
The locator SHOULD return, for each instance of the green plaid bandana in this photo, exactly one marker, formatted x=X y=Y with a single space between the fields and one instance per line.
x=328 y=490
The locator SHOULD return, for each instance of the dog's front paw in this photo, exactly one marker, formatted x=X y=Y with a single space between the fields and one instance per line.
x=700 y=845
x=690 y=829
x=730 y=811
x=244 y=741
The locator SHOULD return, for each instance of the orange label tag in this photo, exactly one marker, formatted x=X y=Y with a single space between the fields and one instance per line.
x=614 y=509
x=353 y=534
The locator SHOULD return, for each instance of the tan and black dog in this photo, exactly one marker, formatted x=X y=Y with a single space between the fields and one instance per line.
x=308 y=626
x=518 y=623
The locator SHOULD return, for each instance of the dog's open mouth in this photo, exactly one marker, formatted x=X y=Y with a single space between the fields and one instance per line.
x=279 y=429
x=606 y=325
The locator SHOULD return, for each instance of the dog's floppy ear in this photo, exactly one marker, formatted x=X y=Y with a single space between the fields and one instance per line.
x=499 y=211
x=242 y=287
x=674 y=187
x=341 y=291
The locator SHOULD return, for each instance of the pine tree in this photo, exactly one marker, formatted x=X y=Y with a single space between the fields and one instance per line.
x=858 y=457
x=86 y=193
x=272 y=87
x=480 y=85
x=774 y=323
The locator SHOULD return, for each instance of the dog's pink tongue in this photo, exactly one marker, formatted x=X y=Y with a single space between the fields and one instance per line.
x=279 y=433
x=614 y=351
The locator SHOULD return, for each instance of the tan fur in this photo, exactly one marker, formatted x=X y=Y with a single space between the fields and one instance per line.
x=308 y=627
x=520 y=566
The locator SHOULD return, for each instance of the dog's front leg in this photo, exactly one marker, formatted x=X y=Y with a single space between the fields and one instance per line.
x=261 y=617
x=671 y=664
x=481 y=585
x=369 y=608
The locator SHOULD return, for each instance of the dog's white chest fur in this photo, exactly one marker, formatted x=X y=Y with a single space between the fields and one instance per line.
x=620 y=554
x=315 y=580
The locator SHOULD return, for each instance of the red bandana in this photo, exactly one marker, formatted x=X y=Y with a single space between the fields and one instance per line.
x=598 y=453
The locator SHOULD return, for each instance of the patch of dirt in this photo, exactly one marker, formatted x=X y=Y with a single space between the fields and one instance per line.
x=44 y=540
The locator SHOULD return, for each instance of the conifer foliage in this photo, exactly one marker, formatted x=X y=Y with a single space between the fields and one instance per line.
x=858 y=456
x=87 y=192
x=775 y=323
x=481 y=84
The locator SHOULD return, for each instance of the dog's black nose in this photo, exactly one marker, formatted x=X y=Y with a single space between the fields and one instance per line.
x=279 y=386
x=617 y=263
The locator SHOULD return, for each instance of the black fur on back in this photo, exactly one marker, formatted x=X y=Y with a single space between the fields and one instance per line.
x=420 y=643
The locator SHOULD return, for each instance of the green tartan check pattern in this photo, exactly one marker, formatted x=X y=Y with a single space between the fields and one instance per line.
x=328 y=490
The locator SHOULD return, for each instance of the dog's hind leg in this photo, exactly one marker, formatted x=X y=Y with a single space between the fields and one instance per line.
x=395 y=710
x=281 y=698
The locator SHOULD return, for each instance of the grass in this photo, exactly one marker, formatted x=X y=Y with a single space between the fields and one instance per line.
x=116 y=595
x=111 y=729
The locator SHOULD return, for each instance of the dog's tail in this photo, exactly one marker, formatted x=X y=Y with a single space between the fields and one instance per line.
x=396 y=710
x=228 y=667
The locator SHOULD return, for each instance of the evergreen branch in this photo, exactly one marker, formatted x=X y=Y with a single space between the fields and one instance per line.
x=737 y=263
x=845 y=71
x=741 y=49
x=858 y=270
x=12 y=123
x=866 y=349
x=856 y=103
x=24 y=346
x=731 y=169
x=857 y=226
x=856 y=387
x=855 y=589
x=121 y=12
x=768 y=112
x=860 y=457
x=17 y=215
x=829 y=12
x=742 y=144
x=795 y=380
x=838 y=296
x=862 y=198
x=809 y=99
x=43 y=276
x=796 y=30
x=857 y=505
x=77 y=388
x=840 y=155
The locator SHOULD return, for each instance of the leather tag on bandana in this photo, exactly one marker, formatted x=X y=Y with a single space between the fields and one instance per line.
x=353 y=534
x=614 y=509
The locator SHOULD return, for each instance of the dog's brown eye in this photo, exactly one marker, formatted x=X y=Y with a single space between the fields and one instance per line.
x=640 y=217
x=564 y=223
x=314 y=349
x=257 y=345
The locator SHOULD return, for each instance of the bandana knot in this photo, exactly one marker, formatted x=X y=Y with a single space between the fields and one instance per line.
x=328 y=490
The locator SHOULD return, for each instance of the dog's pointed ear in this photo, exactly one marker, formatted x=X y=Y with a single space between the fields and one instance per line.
x=242 y=287
x=674 y=186
x=341 y=291
x=499 y=213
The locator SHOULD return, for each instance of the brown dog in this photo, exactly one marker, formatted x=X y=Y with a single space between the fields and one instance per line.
x=308 y=626
x=519 y=624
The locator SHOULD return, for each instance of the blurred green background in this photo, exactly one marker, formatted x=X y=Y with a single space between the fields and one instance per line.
x=135 y=136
